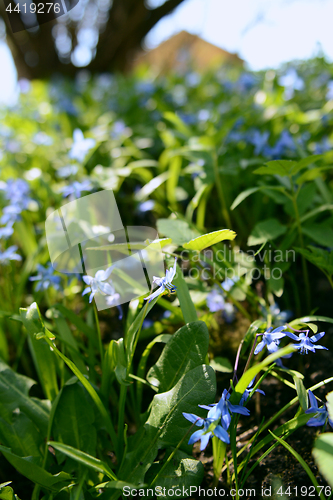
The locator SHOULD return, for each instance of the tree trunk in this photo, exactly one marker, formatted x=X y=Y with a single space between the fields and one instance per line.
x=129 y=21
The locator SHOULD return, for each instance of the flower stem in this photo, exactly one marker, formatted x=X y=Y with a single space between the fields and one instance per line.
x=100 y=344
x=225 y=211
x=304 y=266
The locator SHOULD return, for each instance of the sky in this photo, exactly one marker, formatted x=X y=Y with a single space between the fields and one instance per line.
x=265 y=33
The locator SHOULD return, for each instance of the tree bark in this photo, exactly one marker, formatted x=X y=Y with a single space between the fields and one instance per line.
x=128 y=23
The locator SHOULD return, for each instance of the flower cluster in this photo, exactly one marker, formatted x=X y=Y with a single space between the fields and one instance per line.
x=217 y=421
x=46 y=278
x=17 y=193
x=271 y=339
x=216 y=299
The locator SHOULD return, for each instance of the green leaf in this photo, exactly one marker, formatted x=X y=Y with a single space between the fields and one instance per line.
x=166 y=425
x=74 y=418
x=186 y=349
x=65 y=333
x=276 y=167
x=209 y=239
x=84 y=458
x=302 y=462
x=90 y=389
x=28 y=468
x=305 y=319
x=178 y=230
x=244 y=194
x=249 y=375
x=42 y=356
x=222 y=365
x=301 y=393
x=7 y=493
x=82 y=326
x=323 y=455
x=14 y=390
x=266 y=230
x=184 y=297
x=276 y=285
x=319 y=257
x=22 y=436
x=305 y=162
x=133 y=329
x=183 y=471
x=178 y=123
x=329 y=405
x=321 y=233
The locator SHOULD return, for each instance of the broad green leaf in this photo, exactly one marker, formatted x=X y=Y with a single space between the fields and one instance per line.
x=14 y=393
x=84 y=458
x=182 y=470
x=276 y=167
x=266 y=230
x=74 y=418
x=319 y=257
x=321 y=233
x=184 y=297
x=207 y=240
x=28 y=468
x=305 y=162
x=22 y=436
x=42 y=356
x=323 y=455
x=222 y=365
x=166 y=425
x=312 y=174
x=186 y=349
x=178 y=230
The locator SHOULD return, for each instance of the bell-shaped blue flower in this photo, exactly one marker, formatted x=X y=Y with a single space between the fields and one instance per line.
x=306 y=343
x=98 y=284
x=271 y=339
x=321 y=414
x=164 y=283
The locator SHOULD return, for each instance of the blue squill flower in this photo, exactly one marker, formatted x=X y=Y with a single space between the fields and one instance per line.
x=9 y=254
x=271 y=339
x=279 y=317
x=6 y=232
x=321 y=414
x=215 y=300
x=204 y=435
x=80 y=146
x=225 y=409
x=248 y=391
x=164 y=283
x=46 y=278
x=98 y=284
x=75 y=189
x=306 y=343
